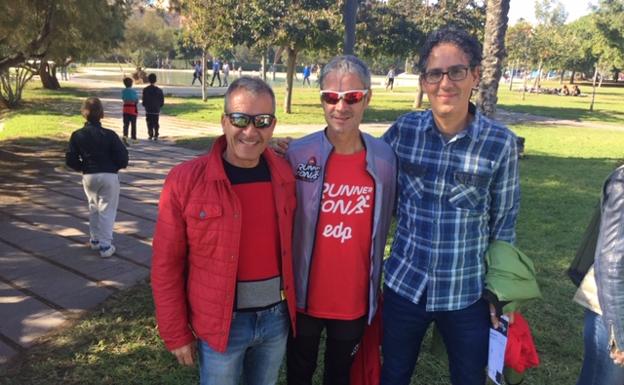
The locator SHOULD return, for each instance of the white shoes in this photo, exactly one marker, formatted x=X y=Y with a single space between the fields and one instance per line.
x=95 y=245
x=107 y=251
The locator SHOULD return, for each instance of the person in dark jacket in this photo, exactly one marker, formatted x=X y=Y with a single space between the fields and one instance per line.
x=99 y=154
x=153 y=100
x=602 y=292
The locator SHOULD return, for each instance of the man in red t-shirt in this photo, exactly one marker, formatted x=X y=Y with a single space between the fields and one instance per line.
x=345 y=194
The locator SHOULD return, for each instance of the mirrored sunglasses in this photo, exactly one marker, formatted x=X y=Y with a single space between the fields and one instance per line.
x=350 y=97
x=240 y=120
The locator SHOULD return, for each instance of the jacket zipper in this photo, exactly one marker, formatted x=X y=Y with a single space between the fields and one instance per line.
x=318 y=214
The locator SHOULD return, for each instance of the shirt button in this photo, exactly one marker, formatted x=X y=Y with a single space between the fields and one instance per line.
x=235 y=215
x=232 y=257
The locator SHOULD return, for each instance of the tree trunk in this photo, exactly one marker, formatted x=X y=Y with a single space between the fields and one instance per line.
x=511 y=76
x=419 y=98
x=263 y=66
x=561 y=77
x=591 y=106
x=408 y=66
x=572 y=77
x=47 y=73
x=524 y=84
x=493 y=54
x=536 y=83
x=349 y=17
x=290 y=73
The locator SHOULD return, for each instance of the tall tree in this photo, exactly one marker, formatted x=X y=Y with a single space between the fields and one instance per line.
x=40 y=34
x=307 y=24
x=79 y=30
x=609 y=21
x=518 y=44
x=493 y=54
x=429 y=16
x=147 y=37
x=547 y=45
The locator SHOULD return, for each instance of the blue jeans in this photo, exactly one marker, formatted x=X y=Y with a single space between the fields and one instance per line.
x=465 y=333
x=598 y=368
x=255 y=349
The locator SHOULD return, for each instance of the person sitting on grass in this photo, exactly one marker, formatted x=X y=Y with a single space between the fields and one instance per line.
x=576 y=91
x=98 y=153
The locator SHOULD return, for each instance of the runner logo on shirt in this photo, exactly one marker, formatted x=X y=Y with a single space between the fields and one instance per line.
x=343 y=201
x=308 y=172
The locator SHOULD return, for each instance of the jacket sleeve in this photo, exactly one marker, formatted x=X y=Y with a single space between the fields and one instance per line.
x=72 y=156
x=120 y=153
x=609 y=258
x=169 y=265
x=505 y=196
x=161 y=98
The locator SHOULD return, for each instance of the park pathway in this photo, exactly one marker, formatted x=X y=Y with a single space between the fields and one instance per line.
x=48 y=274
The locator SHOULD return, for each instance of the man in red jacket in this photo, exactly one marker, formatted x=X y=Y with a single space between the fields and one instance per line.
x=222 y=265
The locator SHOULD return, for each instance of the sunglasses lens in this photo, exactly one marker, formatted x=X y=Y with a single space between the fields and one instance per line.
x=353 y=97
x=330 y=97
x=239 y=120
x=263 y=121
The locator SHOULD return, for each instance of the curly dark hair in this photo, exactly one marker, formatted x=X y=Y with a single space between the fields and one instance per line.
x=453 y=35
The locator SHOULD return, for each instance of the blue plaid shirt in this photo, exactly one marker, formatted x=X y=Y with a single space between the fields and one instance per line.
x=455 y=197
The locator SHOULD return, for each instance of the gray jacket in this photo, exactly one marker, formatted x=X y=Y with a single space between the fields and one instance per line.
x=609 y=258
x=307 y=157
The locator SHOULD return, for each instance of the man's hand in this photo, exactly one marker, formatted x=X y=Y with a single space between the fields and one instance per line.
x=185 y=354
x=494 y=318
x=617 y=356
x=280 y=145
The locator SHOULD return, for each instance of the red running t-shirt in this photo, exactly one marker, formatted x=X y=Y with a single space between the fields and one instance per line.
x=339 y=275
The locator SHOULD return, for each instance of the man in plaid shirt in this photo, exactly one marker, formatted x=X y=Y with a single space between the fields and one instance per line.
x=458 y=191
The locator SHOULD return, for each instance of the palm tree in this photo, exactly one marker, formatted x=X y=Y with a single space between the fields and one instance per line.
x=493 y=54
x=349 y=17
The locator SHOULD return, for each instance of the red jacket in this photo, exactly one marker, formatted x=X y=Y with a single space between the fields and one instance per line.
x=196 y=244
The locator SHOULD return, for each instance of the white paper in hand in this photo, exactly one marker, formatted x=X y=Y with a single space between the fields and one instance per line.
x=496 y=355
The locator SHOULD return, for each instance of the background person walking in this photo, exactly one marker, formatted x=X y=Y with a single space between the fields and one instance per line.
x=98 y=153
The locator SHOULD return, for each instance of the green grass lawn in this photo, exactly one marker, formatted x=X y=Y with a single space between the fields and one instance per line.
x=386 y=106
x=561 y=178
x=608 y=107
x=306 y=107
x=44 y=114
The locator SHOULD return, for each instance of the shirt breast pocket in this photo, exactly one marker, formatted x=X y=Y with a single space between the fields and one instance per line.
x=469 y=191
x=411 y=180
x=203 y=222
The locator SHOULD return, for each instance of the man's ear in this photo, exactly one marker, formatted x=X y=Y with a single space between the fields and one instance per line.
x=476 y=74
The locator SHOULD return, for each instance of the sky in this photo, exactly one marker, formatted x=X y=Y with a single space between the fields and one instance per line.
x=525 y=9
